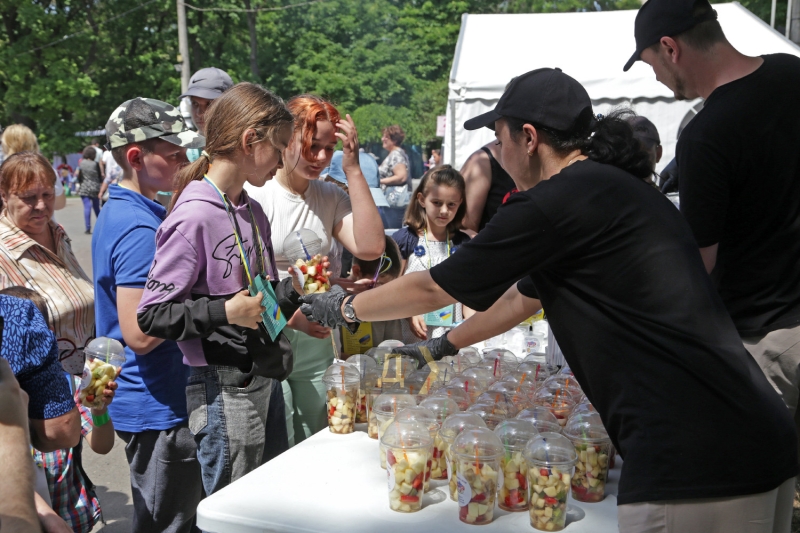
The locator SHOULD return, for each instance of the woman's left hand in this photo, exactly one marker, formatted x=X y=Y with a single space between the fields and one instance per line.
x=349 y=137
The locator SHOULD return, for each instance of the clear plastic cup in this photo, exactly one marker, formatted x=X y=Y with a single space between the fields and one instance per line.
x=533 y=371
x=491 y=414
x=441 y=407
x=473 y=387
x=560 y=405
x=395 y=369
x=302 y=248
x=516 y=393
x=504 y=401
x=547 y=427
x=342 y=382
x=593 y=446
x=477 y=452
x=484 y=376
x=564 y=383
x=456 y=394
x=537 y=413
x=368 y=370
x=512 y=493
x=385 y=407
x=372 y=419
x=391 y=343
x=428 y=419
x=407 y=444
x=104 y=359
x=451 y=428
x=471 y=354
x=550 y=458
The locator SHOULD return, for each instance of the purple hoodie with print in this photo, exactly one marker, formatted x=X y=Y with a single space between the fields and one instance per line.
x=197 y=267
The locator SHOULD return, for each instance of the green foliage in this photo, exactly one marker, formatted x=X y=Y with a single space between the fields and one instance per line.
x=383 y=61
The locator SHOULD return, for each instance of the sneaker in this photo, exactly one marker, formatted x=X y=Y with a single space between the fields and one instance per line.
x=87 y=232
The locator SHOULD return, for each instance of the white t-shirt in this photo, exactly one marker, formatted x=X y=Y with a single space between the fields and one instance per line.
x=112 y=168
x=324 y=206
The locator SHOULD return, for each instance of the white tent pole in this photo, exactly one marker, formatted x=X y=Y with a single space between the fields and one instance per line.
x=772 y=14
x=788 y=18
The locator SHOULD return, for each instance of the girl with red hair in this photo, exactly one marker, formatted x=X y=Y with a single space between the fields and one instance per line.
x=297 y=199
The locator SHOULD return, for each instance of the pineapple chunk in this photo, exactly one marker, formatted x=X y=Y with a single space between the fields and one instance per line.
x=405 y=508
x=472 y=510
x=482 y=509
x=548 y=512
x=551 y=491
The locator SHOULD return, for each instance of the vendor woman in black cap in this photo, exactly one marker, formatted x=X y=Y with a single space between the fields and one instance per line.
x=707 y=443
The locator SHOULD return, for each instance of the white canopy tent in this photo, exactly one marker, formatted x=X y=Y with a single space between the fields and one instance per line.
x=590 y=47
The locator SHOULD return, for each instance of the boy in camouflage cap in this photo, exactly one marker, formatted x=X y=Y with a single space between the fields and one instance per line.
x=148 y=139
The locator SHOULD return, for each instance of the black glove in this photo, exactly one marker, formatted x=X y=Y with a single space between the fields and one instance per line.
x=326 y=308
x=437 y=348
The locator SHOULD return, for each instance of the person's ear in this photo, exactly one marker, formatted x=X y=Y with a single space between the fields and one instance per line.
x=659 y=153
x=4 y=197
x=531 y=138
x=135 y=157
x=421 y=200
x=248 y=138
x=670 y=49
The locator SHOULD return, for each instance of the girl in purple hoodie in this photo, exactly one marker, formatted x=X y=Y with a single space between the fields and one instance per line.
x=211 y=246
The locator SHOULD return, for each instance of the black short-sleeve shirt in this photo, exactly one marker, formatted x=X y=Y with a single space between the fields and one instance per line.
x=643 y=328
x=739 y=161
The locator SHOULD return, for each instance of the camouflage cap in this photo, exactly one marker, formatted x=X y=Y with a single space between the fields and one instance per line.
x=141 y=119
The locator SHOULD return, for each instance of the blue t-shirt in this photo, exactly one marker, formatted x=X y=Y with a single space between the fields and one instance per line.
x=32 y=353
x=152 y=387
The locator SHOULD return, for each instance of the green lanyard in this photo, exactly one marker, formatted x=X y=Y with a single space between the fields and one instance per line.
x=237 y=232
x=427 y=245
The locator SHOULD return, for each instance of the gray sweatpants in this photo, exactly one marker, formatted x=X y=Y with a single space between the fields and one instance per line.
x=165 y=480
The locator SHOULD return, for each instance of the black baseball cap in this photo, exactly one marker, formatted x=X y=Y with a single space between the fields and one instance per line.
x=545 y=97
x=666 y=18
x=208 y=83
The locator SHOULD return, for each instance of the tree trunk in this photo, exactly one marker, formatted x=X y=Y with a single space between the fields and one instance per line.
x=251 y=25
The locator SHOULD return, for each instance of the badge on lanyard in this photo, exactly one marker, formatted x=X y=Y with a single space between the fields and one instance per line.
x=444 y=317
x=272 y=317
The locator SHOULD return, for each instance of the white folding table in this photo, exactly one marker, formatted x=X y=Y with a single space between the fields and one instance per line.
x=334 y=483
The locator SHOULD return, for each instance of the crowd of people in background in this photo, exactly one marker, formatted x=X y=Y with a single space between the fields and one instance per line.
x=191 y=221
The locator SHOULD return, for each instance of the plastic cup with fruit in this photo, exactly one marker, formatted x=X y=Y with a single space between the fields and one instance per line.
x=441 y=407
x=104 y=359
x=477 y=452
x=302 y=247
x=385 y=407
x=550 y=459
x=407 y=444
x=452 y=426
x=593 y=446
x=490 y=414
x=538 y=413
x=559 y=403
x=512 y=494
x=342 y=381
x=428 y=419
x=368 y=370
x=565 y=383
x=456 y=394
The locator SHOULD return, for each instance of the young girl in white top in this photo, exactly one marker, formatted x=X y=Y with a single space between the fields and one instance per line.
x=297 y=199
x=431 y=234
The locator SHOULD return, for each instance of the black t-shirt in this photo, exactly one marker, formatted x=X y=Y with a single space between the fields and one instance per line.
x=739 y=162
x=641 y=325
x=501 y=185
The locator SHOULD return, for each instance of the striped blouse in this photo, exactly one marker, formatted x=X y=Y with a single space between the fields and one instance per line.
x=58 y=277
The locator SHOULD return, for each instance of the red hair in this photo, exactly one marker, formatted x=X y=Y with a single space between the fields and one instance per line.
x=25 y=170
x=308 y=110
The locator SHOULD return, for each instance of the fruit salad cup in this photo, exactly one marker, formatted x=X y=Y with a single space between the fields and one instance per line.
x=407 y=444
x=593 y=447
x=452 y=426
x=560 y=407
x=104 y=359
x=512 y=492
x=372 y=420
x=342 y=382
x=477 y=452
x=550 y=459
x=428 y=419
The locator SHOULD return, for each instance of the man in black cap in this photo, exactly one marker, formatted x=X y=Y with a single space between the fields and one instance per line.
x=706 y=441
x=739 y=175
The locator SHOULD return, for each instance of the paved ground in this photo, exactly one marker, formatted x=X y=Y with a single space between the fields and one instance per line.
x=108 y=472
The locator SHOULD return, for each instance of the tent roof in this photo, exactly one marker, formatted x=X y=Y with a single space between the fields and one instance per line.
x=492 y=49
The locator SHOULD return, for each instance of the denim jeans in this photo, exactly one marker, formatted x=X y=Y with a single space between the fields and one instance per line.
x=227 y=416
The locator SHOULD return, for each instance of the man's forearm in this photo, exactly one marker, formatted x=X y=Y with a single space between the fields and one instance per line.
x=509 y=311
x=410 y=295
x=17 y=510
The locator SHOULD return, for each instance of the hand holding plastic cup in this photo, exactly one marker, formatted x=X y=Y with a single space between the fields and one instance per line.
x=593 y=446
x=512 y=493
x=550 y=458
x=407 y=444
x=477 y=452
x=104 y=359
x=342 y=381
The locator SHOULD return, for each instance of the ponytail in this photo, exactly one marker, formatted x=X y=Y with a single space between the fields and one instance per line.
x=606 y=139
x=244 y=106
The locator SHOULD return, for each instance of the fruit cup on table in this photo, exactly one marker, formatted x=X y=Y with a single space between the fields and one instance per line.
x=452 y=426
x=512 y=490
x=428 y=419
x=593 y=446
x=302 y=247
x=535 y=372
x=407 y=444
x=565 y=382
x=491 y=414
x=538 y=413
x=342 y=382
x=368 y=370
x=454 y=393
x=441 y=407
x=550 y=459
x=477 y=452
x=559 y=403
x=385 y=407
x=471 y=386
x=104 y=359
